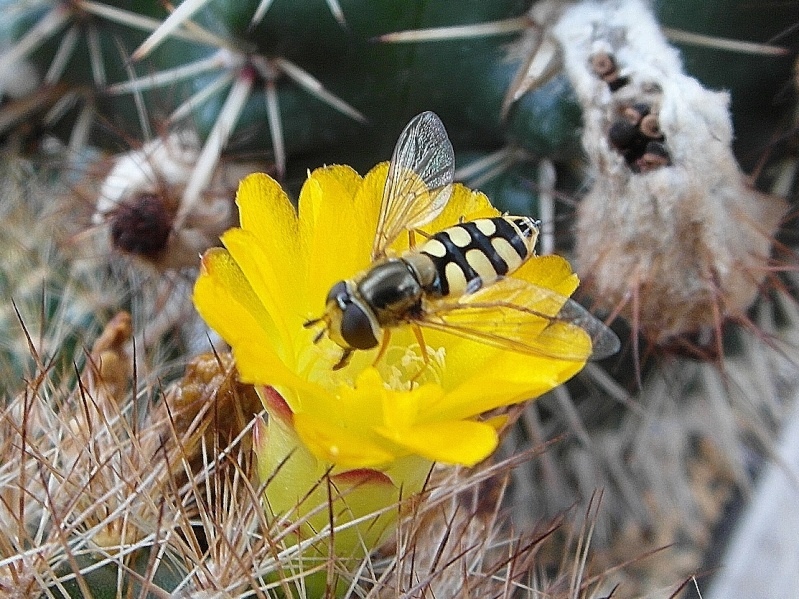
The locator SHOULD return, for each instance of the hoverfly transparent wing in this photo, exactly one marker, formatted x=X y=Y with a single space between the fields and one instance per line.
x=419 y=180
x=519 y=316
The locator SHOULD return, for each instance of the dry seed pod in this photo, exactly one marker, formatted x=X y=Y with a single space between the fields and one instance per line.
x=208 y=401
x=207 y=404
x=111 y=364
x=140 y=198
x=670 y=232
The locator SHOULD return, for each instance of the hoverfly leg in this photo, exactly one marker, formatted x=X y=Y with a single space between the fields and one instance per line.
x=345 y=358
x=412 y=236
x=417 y=332
x=383 y=347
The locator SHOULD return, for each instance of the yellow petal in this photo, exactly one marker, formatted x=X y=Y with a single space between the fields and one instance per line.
x=367 y=204
x=333 y=227
x=552 y=272
x=275 y=288
x=497 y=422
x=342 y=446
x=226 y=301
x=402 y=409
x=507 y=379
x=454 y=442
x=355 y=408
x=463 y=204
x=277 y=271
x=258 y=364
x=266 y=211
x=328 y=183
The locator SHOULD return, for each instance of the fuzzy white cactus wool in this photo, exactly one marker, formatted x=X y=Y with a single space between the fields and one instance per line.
x=669 y=229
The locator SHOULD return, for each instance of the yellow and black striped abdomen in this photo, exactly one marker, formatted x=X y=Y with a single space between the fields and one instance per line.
x=473 y=254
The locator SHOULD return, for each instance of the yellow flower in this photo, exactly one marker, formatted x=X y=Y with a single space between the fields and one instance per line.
x=274 y=275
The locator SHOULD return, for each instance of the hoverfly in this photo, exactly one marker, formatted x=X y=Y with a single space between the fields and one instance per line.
x=458 y=281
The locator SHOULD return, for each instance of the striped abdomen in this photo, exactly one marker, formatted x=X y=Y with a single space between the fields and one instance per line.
x=473 y=254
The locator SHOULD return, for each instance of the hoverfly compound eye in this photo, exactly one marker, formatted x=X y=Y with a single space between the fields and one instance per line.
x=358 y=327
x=339 y=294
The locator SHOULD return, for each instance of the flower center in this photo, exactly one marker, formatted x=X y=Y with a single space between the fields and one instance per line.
x=403 y=367
x=315 y=363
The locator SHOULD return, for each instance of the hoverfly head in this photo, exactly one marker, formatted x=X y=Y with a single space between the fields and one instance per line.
x=349 y=321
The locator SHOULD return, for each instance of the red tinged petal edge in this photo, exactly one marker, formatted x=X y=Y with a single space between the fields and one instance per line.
x=276 y=405
x=362 y=476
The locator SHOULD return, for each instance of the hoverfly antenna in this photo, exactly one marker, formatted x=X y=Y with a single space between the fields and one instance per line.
x=318 y=337
x=315 y=321
x=310 y=323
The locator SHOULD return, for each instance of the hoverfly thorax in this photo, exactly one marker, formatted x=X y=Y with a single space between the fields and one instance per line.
x=357 y=310
x=393 y=290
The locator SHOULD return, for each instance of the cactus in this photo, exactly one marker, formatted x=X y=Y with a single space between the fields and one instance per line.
x=153 y=117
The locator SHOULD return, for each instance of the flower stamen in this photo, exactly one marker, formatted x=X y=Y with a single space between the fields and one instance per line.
x=406 y=367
